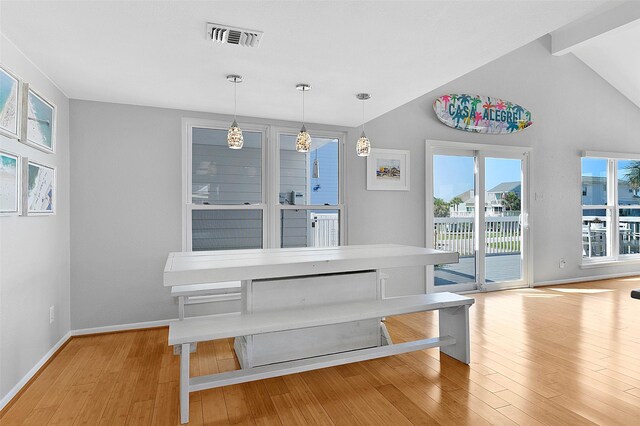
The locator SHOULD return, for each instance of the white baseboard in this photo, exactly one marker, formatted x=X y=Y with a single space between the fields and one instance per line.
x=14 y=391
x=121 y=327
x=584 y=279
x=81 y=332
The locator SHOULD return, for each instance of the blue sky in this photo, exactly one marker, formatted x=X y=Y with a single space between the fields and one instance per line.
x=594 y=167
x=453 y=175
x=598 y=167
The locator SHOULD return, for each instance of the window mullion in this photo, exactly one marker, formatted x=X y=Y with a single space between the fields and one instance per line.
x=613 y=201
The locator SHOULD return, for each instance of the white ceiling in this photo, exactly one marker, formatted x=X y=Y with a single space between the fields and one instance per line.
x=155 y=53
x=616 y=57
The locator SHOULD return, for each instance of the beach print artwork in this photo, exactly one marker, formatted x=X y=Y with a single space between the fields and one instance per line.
x=9 y=183
x=387 y=169
x=40 y=122
x=40 y=188
x=9 y=101
x=481 y=114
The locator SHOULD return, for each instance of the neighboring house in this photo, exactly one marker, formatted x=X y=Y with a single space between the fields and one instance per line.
x=594 y=192
x=467 y=206
x=492 y=200
x=493 y=197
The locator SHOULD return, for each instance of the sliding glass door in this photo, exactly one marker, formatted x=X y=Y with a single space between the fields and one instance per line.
x=454 y=188
x=479 y=209
x=503 y=219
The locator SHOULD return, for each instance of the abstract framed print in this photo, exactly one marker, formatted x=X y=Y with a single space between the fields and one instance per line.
x=41 y=122
x=10 y=104
x=10 y=178
x=40 y=188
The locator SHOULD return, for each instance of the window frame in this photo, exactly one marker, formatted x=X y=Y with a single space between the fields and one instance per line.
x=188 y=125
x=269 y=205
x=612 y=208
x=275 y=224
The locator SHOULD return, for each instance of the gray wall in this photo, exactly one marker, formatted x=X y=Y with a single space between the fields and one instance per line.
x=573 y=109
x=127 y=209
x=34 y=251
x=120 y=235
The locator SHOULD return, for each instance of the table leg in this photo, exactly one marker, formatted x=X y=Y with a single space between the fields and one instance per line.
x=181 y=307
x=184 y=383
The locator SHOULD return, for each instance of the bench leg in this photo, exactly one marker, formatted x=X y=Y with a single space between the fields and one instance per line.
x=454 y=322
x=184 y=384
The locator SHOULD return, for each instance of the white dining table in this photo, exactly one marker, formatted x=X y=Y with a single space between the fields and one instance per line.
x=299 y=278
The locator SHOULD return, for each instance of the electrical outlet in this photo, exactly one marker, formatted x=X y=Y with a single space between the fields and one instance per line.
x=52 y=314
x=563 y=263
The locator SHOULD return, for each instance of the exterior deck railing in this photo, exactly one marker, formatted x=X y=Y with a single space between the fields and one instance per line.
x=595 y=232
x=502 y=234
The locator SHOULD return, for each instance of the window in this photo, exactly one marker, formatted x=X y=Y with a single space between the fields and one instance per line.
x=226 y=204
x=309 y=193
x=260 y=196
x=610 y=208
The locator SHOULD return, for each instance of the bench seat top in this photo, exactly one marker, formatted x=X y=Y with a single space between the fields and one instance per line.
x=207 y=289
x=199 y=329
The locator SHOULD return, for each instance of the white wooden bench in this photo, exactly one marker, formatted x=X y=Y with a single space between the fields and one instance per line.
x=205 y=293
x=453 y=340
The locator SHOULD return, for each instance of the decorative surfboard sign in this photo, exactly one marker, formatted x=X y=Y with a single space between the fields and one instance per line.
x=481 y=114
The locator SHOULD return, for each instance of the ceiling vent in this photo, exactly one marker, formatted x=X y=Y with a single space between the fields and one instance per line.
x=231 y=35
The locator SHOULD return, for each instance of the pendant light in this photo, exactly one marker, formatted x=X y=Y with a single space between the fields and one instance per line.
x=303 y=141
x=315 y=174
x=235 y=140
x=363 y=146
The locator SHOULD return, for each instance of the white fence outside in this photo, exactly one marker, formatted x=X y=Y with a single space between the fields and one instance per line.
x=325 y=231
x=502 y=235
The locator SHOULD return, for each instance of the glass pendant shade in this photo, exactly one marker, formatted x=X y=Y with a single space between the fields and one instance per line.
x=363 y=146
x=303 y=142
x=235 y=140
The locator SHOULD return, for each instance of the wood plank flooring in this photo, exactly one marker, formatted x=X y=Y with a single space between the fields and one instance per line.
x=563 y=355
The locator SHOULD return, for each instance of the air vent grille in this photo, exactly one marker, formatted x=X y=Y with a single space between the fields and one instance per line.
x=231 y=35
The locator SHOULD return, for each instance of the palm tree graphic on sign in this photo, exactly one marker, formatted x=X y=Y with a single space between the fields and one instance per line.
x=517 y=109
x=488 y=104
x=512 y=126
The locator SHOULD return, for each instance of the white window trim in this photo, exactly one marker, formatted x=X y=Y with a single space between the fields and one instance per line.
x=613 y=239
x=276 y=207
x=270 y=205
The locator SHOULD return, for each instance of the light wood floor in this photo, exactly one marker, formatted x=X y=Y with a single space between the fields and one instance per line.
x=562 y=355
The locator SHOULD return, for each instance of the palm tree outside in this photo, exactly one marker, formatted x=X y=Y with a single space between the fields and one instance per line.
x=440 y=207
x=511 y=201
x=633 y=176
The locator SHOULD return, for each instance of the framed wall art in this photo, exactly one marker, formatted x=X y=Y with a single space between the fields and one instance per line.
x=10 y=179
x=388 y=170
x=41 y=122
x=40 y=188
x=10 y=104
